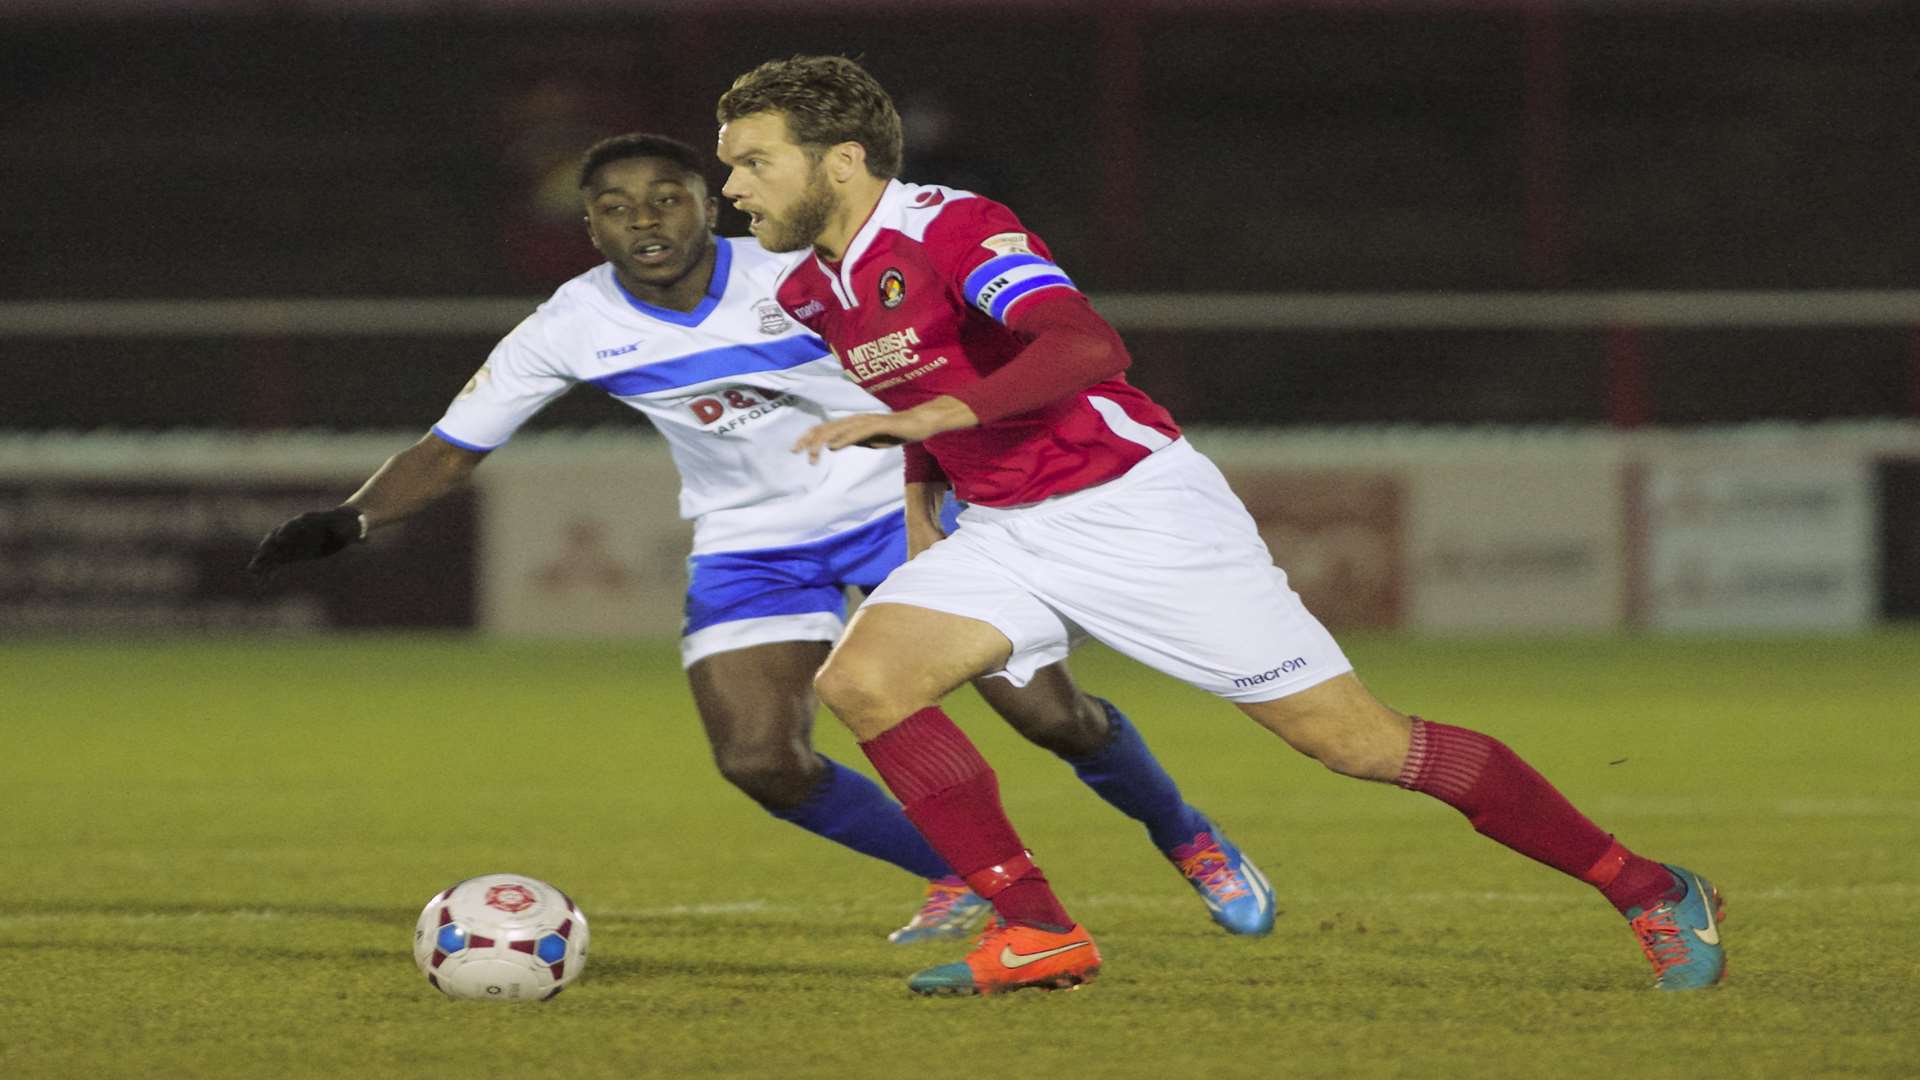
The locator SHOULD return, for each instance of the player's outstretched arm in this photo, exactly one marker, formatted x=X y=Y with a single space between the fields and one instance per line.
x=409 y=481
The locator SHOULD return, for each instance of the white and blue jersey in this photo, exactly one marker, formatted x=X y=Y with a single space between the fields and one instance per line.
x=731 y=385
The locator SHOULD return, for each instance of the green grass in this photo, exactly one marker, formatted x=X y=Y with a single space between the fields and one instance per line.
x=212 y=855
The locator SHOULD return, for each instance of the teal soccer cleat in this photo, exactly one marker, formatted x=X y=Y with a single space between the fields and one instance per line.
x=950 y=911
x=1682 y=937
x=1235 y=891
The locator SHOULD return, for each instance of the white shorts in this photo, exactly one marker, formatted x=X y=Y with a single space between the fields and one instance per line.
x=1163 y=564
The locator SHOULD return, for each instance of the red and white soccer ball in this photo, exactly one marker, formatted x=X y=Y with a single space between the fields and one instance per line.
x=502 y=937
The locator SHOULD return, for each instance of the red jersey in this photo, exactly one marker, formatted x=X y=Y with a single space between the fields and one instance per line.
x=919 y=306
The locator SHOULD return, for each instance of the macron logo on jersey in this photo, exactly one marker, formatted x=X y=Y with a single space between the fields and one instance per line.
x=602 y=354
x=996 y=284
x=1285 y=667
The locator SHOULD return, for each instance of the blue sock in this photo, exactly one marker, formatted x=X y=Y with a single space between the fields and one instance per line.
x=1125 y=773
x=851 y=810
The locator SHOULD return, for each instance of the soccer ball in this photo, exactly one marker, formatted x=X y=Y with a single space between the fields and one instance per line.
x=502 y=937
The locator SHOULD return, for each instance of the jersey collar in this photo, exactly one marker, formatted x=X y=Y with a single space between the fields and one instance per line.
x=841 y=276
x=716 y=288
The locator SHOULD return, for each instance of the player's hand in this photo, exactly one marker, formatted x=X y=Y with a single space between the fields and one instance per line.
x=313 y=535
x=866 y=429
x=923 y=421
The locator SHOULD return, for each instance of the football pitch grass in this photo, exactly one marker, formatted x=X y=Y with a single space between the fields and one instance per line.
x=214 y=853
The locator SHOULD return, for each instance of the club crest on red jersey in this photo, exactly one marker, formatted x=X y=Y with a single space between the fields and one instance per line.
x=893 y=288
x=1007 y=243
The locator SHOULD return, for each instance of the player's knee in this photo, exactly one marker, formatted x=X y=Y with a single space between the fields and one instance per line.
x=856 y=690
x=775 y=776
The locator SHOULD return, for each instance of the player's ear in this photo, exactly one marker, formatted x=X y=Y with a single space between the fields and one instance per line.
x=713 y=213
x=845 y=160
x=591 y=239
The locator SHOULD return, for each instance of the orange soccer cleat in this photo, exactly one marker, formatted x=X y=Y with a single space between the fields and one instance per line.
x=1012 y=957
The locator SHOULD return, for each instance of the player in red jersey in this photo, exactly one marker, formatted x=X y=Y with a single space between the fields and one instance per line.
x=1089 y=516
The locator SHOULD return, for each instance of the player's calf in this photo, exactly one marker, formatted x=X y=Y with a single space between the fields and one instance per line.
x=1341 y=725
x=1051 y=712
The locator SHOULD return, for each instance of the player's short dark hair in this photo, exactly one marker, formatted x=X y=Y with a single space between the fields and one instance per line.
x=827 y=100
x=638 y=145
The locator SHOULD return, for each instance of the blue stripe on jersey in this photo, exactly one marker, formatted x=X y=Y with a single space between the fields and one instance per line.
x=461 y=443
x=716 y=288
x=1014 y=292
x=993 y=268
x=723 y=363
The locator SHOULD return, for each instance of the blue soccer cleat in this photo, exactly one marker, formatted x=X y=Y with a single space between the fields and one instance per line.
x=1235 y=891
x=950 y=911
x=1682 y=937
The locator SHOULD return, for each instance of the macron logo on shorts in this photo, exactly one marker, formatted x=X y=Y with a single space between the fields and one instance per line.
x=1286 y=667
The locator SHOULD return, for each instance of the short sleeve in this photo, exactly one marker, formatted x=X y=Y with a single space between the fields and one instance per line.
x=521 y=376
x=994 y=262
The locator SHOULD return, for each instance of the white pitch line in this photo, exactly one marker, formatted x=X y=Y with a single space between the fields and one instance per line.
x=731 y=907
x=735 y=907
x=1848 y=806
x=248 y=915
x=1376 y=902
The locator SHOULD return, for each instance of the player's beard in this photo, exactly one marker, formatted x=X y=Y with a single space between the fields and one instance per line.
x=808 y=219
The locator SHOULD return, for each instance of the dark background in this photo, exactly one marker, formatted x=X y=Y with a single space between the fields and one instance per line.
x=274 y=150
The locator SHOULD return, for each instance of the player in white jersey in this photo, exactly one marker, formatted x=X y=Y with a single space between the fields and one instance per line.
x=682 y=326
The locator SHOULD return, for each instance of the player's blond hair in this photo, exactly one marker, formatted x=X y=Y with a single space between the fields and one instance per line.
x=826 y=100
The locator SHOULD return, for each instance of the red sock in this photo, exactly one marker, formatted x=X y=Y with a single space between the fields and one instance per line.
x=1507 y=801
x=953 y=797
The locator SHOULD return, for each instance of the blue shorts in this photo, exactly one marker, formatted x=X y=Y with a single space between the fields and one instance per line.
x=740 y=598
